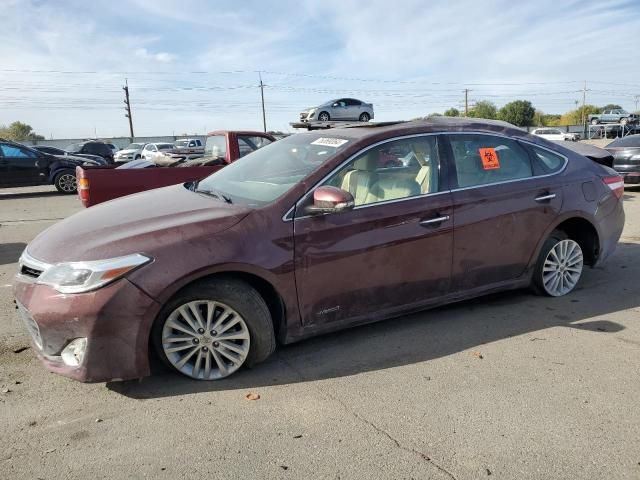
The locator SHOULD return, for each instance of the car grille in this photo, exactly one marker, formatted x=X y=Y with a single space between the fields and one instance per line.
x=303 y=115
x=31 y=325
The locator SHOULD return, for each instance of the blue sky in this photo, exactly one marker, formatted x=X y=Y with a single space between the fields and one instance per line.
x=192 y=65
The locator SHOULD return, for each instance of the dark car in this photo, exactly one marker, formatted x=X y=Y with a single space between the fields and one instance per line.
x=22 y=166
x=58 y=151
x=308 y=235
x=92 y=148
x=626 y=157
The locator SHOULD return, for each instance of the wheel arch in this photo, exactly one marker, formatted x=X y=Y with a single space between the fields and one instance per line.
x=265 y=288
x=578 y=227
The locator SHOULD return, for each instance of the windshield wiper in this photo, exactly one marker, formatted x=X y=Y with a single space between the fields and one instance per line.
x=213 y=194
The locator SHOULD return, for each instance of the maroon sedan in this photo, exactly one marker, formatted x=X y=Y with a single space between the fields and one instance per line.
x=316 y=232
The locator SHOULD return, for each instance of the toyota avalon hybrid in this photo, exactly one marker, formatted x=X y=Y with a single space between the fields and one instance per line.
x=313 y=233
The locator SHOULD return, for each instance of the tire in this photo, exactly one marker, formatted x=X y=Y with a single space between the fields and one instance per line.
x=137 y=157
x=559 y=267
x=237 y=310
x=364 y=117
x=324 y=117
x=65 y=182
x=624 y=121
x=595 y=121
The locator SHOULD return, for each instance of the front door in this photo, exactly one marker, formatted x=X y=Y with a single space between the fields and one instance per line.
x=393 y=250
x=503 y=204
x=23 y=166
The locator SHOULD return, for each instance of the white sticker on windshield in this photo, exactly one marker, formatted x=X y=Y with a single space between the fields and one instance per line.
x=329 y=142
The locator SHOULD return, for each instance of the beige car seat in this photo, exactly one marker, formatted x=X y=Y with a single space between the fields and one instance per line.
x=358 y=182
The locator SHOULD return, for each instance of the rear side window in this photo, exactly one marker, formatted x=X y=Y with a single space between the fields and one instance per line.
x=551 y=161
x=216 y=146
x=248 y=144
x=485 y=159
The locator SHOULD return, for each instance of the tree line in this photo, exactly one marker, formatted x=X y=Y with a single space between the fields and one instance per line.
x=523 y=114
x=19 y=132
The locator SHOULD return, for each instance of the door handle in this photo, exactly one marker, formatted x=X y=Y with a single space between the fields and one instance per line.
x=544 y=198
x=434 y=221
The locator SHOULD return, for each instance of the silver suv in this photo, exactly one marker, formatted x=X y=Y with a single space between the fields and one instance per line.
x=340 y=109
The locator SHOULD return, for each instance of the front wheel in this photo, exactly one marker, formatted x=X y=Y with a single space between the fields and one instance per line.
x=324 y=117
x=65 y=182
x=213 y=328
x=595 y=121
x=624 y=121
x=364 y=117
x=559 y=266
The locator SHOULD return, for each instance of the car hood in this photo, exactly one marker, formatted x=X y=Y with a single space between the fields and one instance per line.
x=75 y=160
x=138 y=223
x=126 y=152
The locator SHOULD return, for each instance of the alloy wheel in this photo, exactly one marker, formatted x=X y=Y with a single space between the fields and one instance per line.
x=67 y=183
x=205 y=340
x=562 y=268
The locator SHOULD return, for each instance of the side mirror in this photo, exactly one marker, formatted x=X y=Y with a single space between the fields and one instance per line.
x=329 y=199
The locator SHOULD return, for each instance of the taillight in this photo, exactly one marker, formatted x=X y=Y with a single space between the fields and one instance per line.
x=616 y=184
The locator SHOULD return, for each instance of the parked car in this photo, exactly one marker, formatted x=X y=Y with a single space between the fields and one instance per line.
x=152 y=151
x=554 y=134
x=22 y=166
x=308 y=235
x=92 y=147
x=114 y=148
x=617 y=115
x=626 y=157
x=97 y=185
x=340 y=109
x=132 y=152
x=58 y=151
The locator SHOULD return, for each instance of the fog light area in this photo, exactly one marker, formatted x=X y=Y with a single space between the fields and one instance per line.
x=73 y=353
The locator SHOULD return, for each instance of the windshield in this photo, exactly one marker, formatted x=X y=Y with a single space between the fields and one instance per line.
x=135 y=146
x=164 y=146
x=267 y=173
x=182 y=143
x=74 y=147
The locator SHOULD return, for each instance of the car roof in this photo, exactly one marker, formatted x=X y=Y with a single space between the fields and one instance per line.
x=428 y=125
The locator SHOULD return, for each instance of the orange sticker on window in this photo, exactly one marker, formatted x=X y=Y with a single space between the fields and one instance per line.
x=489 y=158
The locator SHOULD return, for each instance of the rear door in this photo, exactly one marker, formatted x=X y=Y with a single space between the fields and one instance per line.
x=392 y=251
x=23 y=166
x=354 y=109
x=503 y=203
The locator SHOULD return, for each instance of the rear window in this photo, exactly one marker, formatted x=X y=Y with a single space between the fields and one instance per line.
x=551 y=161
x=630 y=141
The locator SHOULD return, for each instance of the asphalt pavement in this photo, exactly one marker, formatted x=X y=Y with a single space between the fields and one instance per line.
x=510 y=386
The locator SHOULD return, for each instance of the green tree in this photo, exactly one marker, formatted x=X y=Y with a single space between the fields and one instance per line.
x=574 y=117
x=519 y=112
x=610 y=106
x=19 y=132
x=484 y=109
x=452 y=112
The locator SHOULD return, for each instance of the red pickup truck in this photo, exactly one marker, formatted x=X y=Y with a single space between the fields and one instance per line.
x=99 y=184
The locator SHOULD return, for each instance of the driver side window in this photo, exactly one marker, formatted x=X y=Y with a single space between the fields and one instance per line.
x=392 y=171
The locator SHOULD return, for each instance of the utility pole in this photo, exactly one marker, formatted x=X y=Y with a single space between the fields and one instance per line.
x=466 y=102
x=264 y=116
x=636 y=98
x=584 y=102
x=127 y=102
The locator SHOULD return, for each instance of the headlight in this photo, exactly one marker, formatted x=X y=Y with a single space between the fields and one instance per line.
x=78 y=277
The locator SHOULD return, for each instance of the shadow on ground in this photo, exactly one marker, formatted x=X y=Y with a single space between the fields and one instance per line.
x=428 y=335
x=19 y=195
x=10 y=252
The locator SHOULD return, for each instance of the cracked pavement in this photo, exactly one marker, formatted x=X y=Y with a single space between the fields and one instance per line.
x=507 y=386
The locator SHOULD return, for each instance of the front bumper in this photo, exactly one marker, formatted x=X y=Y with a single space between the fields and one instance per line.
x=115 y=320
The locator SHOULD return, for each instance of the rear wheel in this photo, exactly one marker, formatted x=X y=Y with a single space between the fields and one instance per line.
x=364 y=117
x=324 y=117
x=65 y=182
x=213 y=328
x=559 y=266
x=624 y=121
x=595 y=121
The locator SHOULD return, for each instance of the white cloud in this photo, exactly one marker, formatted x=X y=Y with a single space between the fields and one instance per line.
x=162 y=57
